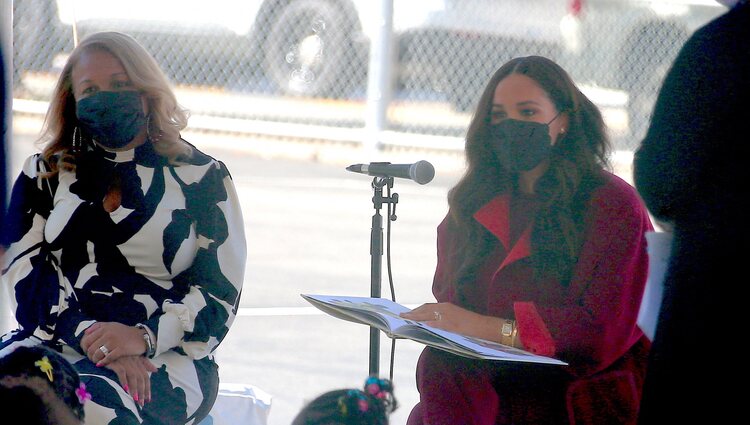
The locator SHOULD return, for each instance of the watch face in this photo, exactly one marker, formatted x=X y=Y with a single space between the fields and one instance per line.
x=507 y=328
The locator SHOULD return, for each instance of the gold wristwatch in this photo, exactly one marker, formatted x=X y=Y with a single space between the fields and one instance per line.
x=507 y=329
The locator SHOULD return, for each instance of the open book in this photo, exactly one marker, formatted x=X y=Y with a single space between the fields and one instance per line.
x=383 y=314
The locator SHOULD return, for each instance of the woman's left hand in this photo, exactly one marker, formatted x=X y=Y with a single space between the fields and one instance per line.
x=105 y=342
x=449 y=317
x=134 y=374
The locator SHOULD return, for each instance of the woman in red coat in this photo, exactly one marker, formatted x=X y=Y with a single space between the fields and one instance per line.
x=542 y=249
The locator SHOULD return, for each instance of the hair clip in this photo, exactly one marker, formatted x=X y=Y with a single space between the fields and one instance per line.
x=82 y=394
x=374 y=388
x=362 y=404
x=361 y=398
x=357 y=395
x=342 y=406
x=45 y=366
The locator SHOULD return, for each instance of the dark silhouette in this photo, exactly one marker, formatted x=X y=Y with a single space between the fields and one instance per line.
x=691 y=170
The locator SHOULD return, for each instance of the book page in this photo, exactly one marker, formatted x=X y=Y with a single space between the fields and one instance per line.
x=477 y=347
x=381 y=313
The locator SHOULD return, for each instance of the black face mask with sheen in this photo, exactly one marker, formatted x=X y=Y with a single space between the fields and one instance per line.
x=112 y=119
x=520 y=145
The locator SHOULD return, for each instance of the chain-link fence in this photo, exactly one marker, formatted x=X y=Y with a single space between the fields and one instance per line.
x=306 y=61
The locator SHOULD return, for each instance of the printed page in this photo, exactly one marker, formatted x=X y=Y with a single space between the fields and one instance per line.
x=481 y=348
x=381 y=313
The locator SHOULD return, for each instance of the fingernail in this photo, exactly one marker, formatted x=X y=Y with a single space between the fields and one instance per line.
x=125 y=387
x=99 y=364
x=135 y=397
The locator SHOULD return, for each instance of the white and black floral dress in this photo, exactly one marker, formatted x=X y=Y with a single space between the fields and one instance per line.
x=172 y=257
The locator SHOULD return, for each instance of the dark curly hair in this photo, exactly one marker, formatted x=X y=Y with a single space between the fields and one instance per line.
x=28 y=362
x=368 y=406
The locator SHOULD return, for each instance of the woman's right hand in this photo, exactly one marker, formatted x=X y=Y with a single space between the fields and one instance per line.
x=118 y=340
x=134 y=373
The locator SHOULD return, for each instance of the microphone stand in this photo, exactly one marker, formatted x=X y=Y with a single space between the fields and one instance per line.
x=376 y=258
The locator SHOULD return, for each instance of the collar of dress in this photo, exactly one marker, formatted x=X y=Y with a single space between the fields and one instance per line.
x=143 y=154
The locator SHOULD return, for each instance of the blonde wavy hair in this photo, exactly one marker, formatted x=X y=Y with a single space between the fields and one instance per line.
x=166 y=117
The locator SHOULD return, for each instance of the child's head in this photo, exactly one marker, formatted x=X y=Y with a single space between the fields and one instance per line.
x=369 y=406
x=39 y=369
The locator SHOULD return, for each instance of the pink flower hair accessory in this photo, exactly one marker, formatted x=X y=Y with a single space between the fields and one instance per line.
x=82 y=394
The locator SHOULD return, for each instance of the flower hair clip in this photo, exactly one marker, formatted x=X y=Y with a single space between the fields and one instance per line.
x=374 y=388
x=46 y=367
x=82 y=394
x=360 y=398
x=382 y=391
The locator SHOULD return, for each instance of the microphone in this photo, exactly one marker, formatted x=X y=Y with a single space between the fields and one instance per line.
x=421 y=172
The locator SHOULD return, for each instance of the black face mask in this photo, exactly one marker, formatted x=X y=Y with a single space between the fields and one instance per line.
x=520 y=145
x=112 y=119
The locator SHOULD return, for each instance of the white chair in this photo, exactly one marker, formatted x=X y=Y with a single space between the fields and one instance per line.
x=239 y=404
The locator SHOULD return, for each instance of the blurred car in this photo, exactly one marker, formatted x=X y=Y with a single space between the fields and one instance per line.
x=624 y=45
x=321 y=47
x=306 y=47
x=629 y=45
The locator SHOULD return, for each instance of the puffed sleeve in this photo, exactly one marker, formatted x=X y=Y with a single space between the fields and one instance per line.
x=597 y=323
x=29 y=273
x=199 y=321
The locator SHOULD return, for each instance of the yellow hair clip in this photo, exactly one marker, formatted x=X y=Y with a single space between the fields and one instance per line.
x=45 y=366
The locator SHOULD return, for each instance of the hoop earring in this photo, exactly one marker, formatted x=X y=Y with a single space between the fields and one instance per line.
x=148 y=131
x=77 y=147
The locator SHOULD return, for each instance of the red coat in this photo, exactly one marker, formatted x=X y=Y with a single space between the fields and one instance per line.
x=591 y=324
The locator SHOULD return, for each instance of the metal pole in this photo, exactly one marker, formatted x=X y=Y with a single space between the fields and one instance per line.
x=7 y=322
x=376 y=261
x=379 y=82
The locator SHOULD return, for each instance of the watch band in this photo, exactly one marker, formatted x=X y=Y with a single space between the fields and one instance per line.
x=150 y=349
x=508 y=331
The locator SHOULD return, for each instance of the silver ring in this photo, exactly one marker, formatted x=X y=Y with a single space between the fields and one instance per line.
x=104 y=350
x=438 y=316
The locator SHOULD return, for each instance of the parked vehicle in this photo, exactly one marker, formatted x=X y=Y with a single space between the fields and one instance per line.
x=321 y=47
x=303 y=47
x=625 y=45
x=629 y=45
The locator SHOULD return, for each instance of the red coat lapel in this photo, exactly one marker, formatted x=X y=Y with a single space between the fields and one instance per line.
x=495 y=216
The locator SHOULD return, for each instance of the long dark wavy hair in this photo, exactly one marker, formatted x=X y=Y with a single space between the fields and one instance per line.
x=575 y=169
